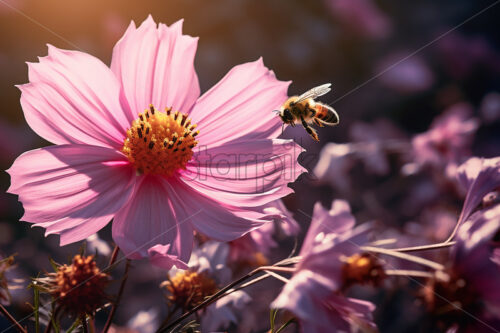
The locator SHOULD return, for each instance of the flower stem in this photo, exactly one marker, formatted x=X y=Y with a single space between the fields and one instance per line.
x=12 y=319
x=53 y=318
x=277 y=276
x=114 y=255
x=222 y=292
x=83 y=319
x=424 y=247
x=91 y=324
x=403 y=272
x=118 y=298
x=277 y=269
x=404 y=256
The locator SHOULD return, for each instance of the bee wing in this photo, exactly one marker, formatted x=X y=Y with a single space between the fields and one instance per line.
x=315 y=92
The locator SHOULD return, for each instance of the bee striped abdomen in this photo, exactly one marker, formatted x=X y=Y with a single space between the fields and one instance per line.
x=326 y=114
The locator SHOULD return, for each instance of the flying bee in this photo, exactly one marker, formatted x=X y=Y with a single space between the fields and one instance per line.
x=305 y=110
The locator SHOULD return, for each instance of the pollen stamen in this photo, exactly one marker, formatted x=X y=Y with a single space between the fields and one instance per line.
x=173 y=129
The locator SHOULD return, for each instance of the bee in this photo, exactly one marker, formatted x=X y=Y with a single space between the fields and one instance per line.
x=305 y=110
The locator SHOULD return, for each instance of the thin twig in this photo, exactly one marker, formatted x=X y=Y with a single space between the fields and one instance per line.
x=381 y=242
x=278 y=269
x=404 y=256
x=12 y=319
x=403 y=272
x=277 y=276
x=114 y=255
x=222 y=292
x=117 y=301
x=455 y=229
x=424 y=247
x=246 y=284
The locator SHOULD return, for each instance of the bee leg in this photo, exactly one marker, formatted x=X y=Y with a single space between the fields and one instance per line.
x=317 y=122
x=309 y=130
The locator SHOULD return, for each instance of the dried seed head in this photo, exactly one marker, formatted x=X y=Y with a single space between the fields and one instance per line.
x=79 y=287
x=188 y=288
x=5 y=265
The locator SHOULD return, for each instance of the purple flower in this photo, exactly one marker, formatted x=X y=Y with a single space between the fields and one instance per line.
x=478 y=176
x=490 y=108
x=254 y=247
x=412 y=75
x=335 y=162
x=470 y=298
x=313 y=294
x=362 y=17
x=373 y=141
x=448 y=140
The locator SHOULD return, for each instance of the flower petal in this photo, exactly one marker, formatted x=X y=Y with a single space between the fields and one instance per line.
x=212 y=218
x=337 y=220
x=153 y=216
x=245 y=174
x=240 y=105
x=71 y=190
x=159 y=256
x=479 y=177
x=73 y=98
x=155 y=65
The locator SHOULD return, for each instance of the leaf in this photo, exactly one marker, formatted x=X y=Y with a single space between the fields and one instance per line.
x=55 y=265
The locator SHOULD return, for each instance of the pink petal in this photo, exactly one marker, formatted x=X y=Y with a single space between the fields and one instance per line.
x=71 y=190
x=245 y=174
x=159 y=256
x=153 y=216
x=241 y=105
x=478 y=177
x=335 y=221
x=155 y=65
x=73 y=97
x=212 y=218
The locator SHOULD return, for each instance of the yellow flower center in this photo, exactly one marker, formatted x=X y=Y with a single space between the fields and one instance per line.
x=362 y=268
x=188 y=289
x=160 y=142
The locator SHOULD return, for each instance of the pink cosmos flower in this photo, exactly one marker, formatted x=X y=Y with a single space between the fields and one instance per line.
x=313 y=293
x=125 y=141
